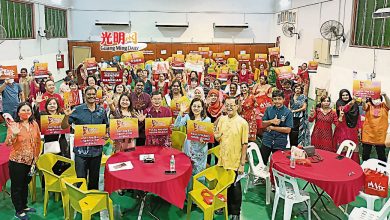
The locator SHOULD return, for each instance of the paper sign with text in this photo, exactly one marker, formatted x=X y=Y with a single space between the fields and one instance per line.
x=158 y=126
x=366 y=88
x=41 y=69
x=89 y=135
x=243 y=57
x=312 y=66
x=200 y=131
x=8 y=72
x=51 y=124
x=284 y=72
x=261 y=57
x=123 y=128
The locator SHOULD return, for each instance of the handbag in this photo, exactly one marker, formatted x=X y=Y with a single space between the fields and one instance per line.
x=376 y=183
x=52 y=147
x=310 y=150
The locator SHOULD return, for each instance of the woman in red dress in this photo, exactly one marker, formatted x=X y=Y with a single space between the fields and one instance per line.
x=248 y=105
x=162 y=85
x=324 y=117
x=349 y=122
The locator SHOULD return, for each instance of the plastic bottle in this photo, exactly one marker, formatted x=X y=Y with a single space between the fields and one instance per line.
x=292 y=162
x=172 y=163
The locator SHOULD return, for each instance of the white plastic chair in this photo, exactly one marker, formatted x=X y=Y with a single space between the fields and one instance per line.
x=367 y=214
x=350 y=148
x=286 y=187
x=260 y=170
x=378 y=165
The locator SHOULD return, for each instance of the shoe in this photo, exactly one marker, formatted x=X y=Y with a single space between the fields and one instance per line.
x=22 y=216
x=219 y=212
x=235 y=217
x=29 y=210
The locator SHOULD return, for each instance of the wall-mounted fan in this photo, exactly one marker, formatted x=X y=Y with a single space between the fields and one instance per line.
x=332 y=30
x=289 y=30
x=47 y=33
x=3 y=34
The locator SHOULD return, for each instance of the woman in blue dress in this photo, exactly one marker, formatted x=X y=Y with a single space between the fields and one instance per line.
x=196 y=151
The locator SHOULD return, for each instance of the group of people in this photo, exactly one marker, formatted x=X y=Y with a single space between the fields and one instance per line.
x=234 y=106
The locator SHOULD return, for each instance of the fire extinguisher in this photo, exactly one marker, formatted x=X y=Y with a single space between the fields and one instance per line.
x=60 y=61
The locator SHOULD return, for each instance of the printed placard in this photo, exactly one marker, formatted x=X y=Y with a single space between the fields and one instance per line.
x=274 y=51
x=160 y=67
x=157 y=126
x=204 y=52
x=8 y=72
x=133 y=58
x=89 y=135
x=111 y=76
x=99 y=94
x=261 y=57
x=51 y=124
x=123 y=128
x=366 y=88
x=219 y=57
x=41 y=69
x=72 y=98
x=244 y=57
x=284 y=72
x=312 y=66
x=177 y=61
x=200 y=131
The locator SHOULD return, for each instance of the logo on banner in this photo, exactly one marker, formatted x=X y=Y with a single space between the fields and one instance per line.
x=376 y=186
x=120 y=41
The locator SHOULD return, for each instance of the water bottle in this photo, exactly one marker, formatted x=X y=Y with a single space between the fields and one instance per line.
x=292 y=162
x=172 y=163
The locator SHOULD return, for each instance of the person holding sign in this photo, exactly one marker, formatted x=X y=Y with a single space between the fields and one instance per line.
x=375 y=126
x=124 y=110
x=50 y=87
x=232 y=133
x=23 y=136
x=52 y=107
x=196 y=151
x=155 y=111
x=87 y=159
x=348 y=127
x=12 y=95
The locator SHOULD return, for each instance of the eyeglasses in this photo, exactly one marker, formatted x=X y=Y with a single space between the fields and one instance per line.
x=90 y=94
x=229 y=106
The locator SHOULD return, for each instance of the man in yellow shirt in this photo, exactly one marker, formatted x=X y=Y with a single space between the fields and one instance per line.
x=232 y=133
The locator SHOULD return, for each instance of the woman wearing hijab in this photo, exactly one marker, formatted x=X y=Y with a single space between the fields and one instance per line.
x=199 y=93
x=215 y=106
x=348 y=127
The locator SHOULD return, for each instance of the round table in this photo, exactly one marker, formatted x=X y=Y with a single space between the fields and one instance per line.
x=151 y=177
x=4 y=158
x=340 y=179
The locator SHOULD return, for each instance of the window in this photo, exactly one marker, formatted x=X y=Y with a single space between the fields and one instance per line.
x=17 y=19
x=55 y=22
x=369 y=31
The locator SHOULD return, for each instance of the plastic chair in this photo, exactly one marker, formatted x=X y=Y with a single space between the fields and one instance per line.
x=88 y=202
x=32 y=186
x=224 y=177
x=367 y=214
x=259 y=170
x=350 y=148
x=378 y=165
x=65 y=194
x=178 y=139
x=45 y=163
x=214 y=152
x=286 y=187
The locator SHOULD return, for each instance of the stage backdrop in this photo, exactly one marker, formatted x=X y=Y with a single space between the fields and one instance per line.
x=165 y=50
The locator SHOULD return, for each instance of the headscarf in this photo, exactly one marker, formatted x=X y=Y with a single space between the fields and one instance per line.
x=352 y=115
x=201 y=92
x=215 y=108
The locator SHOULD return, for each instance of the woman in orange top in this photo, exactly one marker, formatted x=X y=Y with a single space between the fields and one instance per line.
x=375 y=126
x=23 y=136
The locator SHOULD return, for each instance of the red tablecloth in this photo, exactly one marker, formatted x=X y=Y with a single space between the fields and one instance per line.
x=151 y=177
x=4 y=158
x=331 y=175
